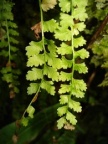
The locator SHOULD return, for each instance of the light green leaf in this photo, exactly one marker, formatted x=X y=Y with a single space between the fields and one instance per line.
x=48 y=4
x=70 y=117
x=64 y=76
x=48 y=86
x=36 y=60
x=80 y=3
x=66 y=63
x=33 y=87
x=66 y=20
x=63 y=99
x=50 y=26
x=63 y=34
x=81 y=68
x=79 y=26
x=82 y=53
x=79 y=85
x=64 y=49
x=75 y=105
x=64 y=5
x=51 y=72
x=61 y=122
x=53 y=61
x=30 y=111
x=51 y=46
x=24 y=121
x=34 y=48
x=34 y=74
x=77 y=93
x=80 y=13
x=79 y=41
x=62 y=110
x=64 y=88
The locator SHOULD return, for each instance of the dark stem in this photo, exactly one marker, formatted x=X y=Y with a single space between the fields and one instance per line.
x=97 y=33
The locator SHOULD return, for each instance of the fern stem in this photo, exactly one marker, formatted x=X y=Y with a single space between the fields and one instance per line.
x=42 y=28
x=72 y=43
x=7 y=29
x=43 y=41
x=73 y=58
x=42 y=31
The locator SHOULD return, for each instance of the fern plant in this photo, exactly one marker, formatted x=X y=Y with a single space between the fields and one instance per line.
x=49 y=62
x=98 y=42
x=70 y=28
x=8 y=45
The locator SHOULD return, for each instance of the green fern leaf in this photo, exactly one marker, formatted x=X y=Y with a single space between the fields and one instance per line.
x=34 y=74
x=53 y=61
x=61 y=32
x=79 y=85
x=13 y=40
x=30 y=111
x=61 y=122
x=80 y=3
x=79 y=26
x=80 y=15
x=65 y=76
x=50 y=26
x=7 y=77
x=51 y=72
x=82 y=53
x=75 y=106
x=77 y=93
x=81 y=68
x=33 y=88
x=13 y=32
x=34 y=49
x=64 y=99
x=12 y=24
x=48 y=86
x=51 y=46
x=36 y=60
x=48 y=4
x=24 y=121
x=62 y=110
x=70 y=117
x=64 y=88
x=79 y=41
x=66 y=63
x=105 y=64
x=105 y=81
x=64 y=5
x=66 y=20
x=64 y=49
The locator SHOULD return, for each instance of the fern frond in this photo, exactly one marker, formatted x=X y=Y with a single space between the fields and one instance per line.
x=8 y=45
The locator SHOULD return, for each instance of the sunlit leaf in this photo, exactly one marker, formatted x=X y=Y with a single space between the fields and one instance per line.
x=64 y=5
x=61 y=122
x=48 y=86
x=71 y=118
x=33 y=87
x=62 y=110
x=36 y=60
x=50 y=26
x=81 y=68
x=34 y=74
x=51 y=72
x=30 y=111
x=48 y=4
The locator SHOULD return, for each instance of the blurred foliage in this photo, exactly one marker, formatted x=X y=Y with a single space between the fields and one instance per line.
x=92 y=125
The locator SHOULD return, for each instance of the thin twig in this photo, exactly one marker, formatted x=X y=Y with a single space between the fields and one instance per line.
x=97 y=33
